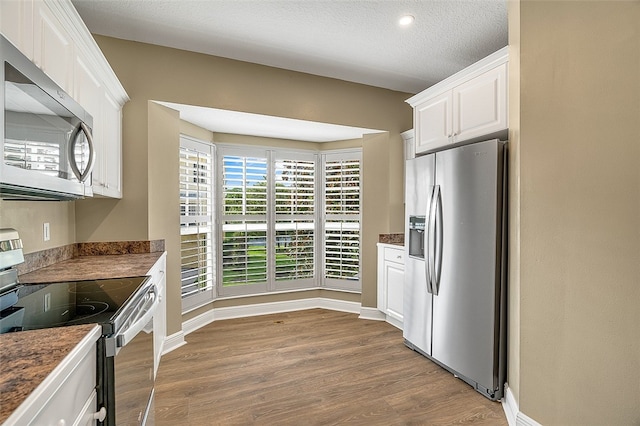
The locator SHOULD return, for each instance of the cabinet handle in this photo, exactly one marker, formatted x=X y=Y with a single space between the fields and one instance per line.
x=100 y=415
x=61 y=422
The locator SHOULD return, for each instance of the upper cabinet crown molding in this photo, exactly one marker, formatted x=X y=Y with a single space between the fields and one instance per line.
x=66 y=13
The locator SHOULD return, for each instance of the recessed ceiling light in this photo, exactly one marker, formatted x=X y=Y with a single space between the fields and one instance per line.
x=406 y=20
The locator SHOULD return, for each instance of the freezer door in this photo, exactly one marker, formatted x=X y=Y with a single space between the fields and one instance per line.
x=420 y=175
x=465 y=310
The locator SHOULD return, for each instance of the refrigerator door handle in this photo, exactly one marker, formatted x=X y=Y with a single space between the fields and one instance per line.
x=438 y=238
x=430 y=257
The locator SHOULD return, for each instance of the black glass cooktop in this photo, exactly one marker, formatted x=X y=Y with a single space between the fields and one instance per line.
x=49 y=305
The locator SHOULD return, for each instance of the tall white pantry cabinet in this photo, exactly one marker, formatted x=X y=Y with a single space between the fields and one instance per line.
x=52 y=35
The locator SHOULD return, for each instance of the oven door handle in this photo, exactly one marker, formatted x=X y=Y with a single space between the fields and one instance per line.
x=144 y=316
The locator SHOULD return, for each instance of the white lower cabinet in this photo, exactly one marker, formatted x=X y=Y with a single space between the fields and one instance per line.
x=158 y=275
x=68 y=395
x=391 y=282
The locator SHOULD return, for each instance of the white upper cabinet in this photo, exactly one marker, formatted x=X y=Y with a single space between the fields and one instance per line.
x=16 y=21
x=469 y=105
x=108 y=173
x=53 y=36
x=433 y=122
x=480 y=105
x=106 y=179
x=53 y=47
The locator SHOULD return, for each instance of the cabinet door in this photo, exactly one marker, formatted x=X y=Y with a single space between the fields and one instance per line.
x=111 y=175
x=391 y=283
x=480 y=105
x=53 y=47
x=88 y=92
x=16 y=24
x=433 y=123
x=159 y=278
x=395 y=284
x=71 y=400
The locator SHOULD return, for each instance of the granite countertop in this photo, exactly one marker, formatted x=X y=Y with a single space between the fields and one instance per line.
x=28 y=357
x=93 y=267
x=395 y=239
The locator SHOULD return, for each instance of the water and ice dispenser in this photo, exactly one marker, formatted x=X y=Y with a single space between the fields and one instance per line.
x=416 y=236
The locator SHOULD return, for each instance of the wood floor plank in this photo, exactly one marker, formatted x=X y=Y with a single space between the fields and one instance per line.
x=313 y=367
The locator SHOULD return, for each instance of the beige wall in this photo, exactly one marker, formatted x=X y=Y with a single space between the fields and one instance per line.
x=28 y=218
x=164 y=198
x=150 y=73
x=579 y=143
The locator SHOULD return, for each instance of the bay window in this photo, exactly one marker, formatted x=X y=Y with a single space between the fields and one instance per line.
x=286 y=220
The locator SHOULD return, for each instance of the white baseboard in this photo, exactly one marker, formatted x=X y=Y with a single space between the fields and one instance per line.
x=524 y=420
x=510 y=406
x=173 y=342
x=372 y=314
x=217 y=314
x=377 y=315
x=512 y=412
x=394 y=322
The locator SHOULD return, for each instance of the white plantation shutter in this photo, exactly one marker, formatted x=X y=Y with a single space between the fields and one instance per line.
x=287 y=220
x=295 y=190
x=244 y=221
x=295 y=249
x=295 y=187
x=196 y=222
x=342 y=220
x=244 y=185
x=244 y=252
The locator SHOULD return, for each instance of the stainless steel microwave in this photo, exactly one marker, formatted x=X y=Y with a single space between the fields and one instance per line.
x=47 y=147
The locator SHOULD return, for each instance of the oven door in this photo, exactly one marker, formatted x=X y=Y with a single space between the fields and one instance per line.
x=134 y=378
x=127 y=380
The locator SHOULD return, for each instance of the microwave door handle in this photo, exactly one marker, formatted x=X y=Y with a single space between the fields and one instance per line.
x=141 y=321
x=81 y=176
x=92 y=152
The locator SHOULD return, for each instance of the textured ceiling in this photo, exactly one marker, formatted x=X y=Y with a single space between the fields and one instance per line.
x=352 y=40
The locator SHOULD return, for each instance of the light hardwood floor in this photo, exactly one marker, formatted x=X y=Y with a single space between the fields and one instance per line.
x=313 y=367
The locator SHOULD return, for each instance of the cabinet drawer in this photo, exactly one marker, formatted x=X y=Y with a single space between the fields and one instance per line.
x=394 y=255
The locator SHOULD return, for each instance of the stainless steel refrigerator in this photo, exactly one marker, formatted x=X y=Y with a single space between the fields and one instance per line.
x=455 y=275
